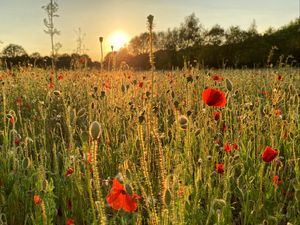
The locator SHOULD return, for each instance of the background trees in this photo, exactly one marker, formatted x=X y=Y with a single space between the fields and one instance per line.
x=190 y=43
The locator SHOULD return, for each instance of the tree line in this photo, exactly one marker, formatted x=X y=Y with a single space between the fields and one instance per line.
x=190 y=44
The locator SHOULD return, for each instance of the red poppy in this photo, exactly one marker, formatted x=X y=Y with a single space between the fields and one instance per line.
x=17 y=141
x=60 y=77
x=70 y=222
x=220 y=168
x=217 y=78
x=213 y=97
x=51 y=85
x=224 y=127
x=276 y=180
x=140 y=84
x=217 y=115
x=227 y=147
x=69 y=172
x=37 y=200
x=278 y=112
x=279 y=77
x=269 y=154
x=118 y=198
x=235 y=146
x=90 y=157
x=12 y=120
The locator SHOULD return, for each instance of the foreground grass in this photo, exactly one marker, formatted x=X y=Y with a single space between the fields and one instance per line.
x=172 y=169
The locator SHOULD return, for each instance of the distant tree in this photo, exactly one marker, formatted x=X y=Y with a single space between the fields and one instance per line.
x=215 y=36
x=190 y=32
x=139 y=44
x=270 y=31
x=51 y=8
x=13 y=50
x=235 y=35
x=80 y=46
x=252 y=30
x=172 y=39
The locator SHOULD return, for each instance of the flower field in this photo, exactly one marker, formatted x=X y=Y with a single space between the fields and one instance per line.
x=124 y=147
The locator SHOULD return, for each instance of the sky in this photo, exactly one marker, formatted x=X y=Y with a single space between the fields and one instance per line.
x=22 y=20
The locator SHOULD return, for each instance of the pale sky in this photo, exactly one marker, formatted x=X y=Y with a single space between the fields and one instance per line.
x=22 y=20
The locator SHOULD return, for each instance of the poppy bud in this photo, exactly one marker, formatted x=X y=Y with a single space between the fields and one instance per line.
x=95 y=130
x=228 y=84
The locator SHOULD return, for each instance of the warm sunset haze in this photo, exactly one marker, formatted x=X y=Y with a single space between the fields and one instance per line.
x=22 y=21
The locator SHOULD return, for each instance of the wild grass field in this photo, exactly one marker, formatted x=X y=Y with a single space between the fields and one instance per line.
x=124 y=147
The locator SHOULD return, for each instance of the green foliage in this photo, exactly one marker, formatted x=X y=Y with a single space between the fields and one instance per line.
x=165 y=145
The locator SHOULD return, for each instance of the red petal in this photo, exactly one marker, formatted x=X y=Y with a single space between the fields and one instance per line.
x=130 y=204
x=214 y=97
x=115 y=200
x=117 y=186
x=269 y=154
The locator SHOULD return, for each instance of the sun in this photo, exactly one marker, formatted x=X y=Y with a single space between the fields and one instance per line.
x=118 y=39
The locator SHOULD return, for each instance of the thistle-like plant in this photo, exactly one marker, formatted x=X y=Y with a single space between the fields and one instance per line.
x=150 y=29
x=101 y=41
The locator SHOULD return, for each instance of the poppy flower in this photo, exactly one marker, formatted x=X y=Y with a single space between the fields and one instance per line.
x=69 y=172
x=269 y=154
x=90 y=157
x=224 y=127
x=279 y=77
x=217 y=78
x=217 y=115
x=60 y=77
x=276 y=180
x=278 y=112
x=227 y=147
x=213 y=97
x=140 y=84
x=220 y=168
x=37 y=200
x=12 y=120
x=70 y=222
x=51 y=85
x=118 y=198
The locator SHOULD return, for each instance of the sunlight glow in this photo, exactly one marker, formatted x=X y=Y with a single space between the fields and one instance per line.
x=118 y=39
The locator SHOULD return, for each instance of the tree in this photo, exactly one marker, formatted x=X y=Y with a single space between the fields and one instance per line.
x=235 y=35
x=172 y=39
x=190 y=32
x=139 y=44
x=51 y=10
x=215 y=36
x=252 y=30
x=13 y=50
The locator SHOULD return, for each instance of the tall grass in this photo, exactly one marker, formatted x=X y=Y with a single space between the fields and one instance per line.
x=172 y=167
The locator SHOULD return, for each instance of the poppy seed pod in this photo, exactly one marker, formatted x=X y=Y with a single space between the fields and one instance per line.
x=57 y=93
x=95 y=130
x=228 y=84
x=183 y=120
x=81 y=112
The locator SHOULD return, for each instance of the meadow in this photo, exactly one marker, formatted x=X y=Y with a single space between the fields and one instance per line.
x=125 y=147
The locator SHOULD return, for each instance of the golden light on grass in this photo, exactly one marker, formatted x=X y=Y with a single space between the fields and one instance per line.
x=118 y=39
